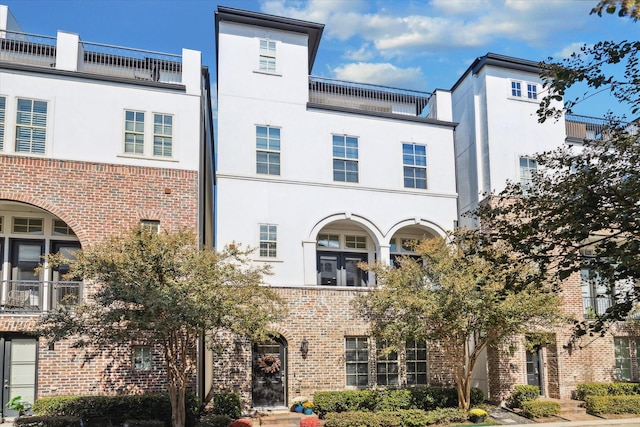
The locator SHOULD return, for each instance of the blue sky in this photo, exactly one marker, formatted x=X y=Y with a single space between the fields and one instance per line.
x=415 y=44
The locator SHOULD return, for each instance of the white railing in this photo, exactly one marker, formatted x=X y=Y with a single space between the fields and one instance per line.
x=28 y=49
x=367 y=97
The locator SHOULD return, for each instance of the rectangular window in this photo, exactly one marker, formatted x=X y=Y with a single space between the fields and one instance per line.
x=345 y=158
x=528 y=169
x=356 y=242
x=532 y=91
x=268 y=56
x=162 y=135
x=31 y=126
x=60 y=228
x=596 y=298
x=414 y=159
x=516 y=89
x=268 y=150
x=141 y=358
x=387 y=368
x=357 y=361
x=329 y=240
x=28 y=225
x=3 y=111
x=134 y=132
x=152 y=225
x=268 y=240
x=1 y=229
x=416 y=352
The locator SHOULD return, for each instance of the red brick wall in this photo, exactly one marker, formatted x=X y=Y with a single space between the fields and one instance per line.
x=97 y=200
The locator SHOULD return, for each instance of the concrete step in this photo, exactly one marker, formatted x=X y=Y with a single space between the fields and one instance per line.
x=284 y=419
x=569 y=406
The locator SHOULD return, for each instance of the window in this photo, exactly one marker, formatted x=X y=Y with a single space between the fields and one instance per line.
x=532 y=91
x=162 y=135
x=516 y=89
x=28 y=225
x=345 y=158
x=60 y=228
x=31 y=126
x=3 y=105
x=141 y=358
x=356 y=242
x=268 y=150
x=268 y=56
x=329 y=240
x=626 y=354
x=338 y=257
x=416 y=352
x=596 y=298
x=134 y=132
x=414 y=159
x=151 y=225
x=357 y=361
x=1 y=229
x=268 y=240
x=387 y=368
x=528 y=167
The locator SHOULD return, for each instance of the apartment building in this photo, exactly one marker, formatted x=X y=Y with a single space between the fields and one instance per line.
x=494 y=103
x=320 y=175
x=94 y=139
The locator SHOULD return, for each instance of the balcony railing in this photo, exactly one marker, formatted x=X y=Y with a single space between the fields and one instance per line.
x=596 y=306
x=579 y=128
x=32 y=296
x=366 y=97
x=95 y=58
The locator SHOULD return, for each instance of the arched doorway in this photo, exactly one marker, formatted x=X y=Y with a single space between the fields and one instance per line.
x=269 y=373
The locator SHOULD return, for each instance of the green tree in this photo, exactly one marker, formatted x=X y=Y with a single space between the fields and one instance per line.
x=463 y=295
x=162 y=289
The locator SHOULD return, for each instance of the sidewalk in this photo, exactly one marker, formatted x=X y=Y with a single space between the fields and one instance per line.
x=627 y=422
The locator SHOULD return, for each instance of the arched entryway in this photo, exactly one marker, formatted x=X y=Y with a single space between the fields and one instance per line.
x=269 y=373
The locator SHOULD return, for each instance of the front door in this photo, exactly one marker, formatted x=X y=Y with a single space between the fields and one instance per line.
x=534 y=368
x=18 y=375
x=270 y=373
x=341 y=269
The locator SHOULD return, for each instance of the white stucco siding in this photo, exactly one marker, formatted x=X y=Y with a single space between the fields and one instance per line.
x=85 y=118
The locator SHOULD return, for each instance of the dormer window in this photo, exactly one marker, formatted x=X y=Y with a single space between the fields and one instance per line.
x=268 y=56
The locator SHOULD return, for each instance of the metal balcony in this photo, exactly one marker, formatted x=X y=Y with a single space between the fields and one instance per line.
x=34 y=296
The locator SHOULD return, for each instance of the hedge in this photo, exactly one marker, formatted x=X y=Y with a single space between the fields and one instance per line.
x=47 y=421
x=606 y=389
x=522 y=393
x=426 y=398
x=613 y=404
x=540 y=408
x=115 y=409
x=402 y=418
x=228 y=404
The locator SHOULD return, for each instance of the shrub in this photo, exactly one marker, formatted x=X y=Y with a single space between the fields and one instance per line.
x=540 y=408
x=414 y=418
x=115 y=409
x=310 y=422
x=523 y=393
x=606 y=389
x=446 y=416
x=227 y=404
x=344 y=401
x=47 y=421
x=144 y=423
x=613 y=404
x=351 y=419
x=215 y=421
x=242 y=422
x=393 y=400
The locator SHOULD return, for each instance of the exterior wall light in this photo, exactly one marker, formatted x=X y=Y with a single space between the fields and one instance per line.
x=304 y=348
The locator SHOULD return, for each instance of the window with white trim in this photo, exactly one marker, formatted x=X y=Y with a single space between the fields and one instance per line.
x=3 y=112
x=162 y=135
x=268 y=240
x=414 y=160
x=528 y=168
x=134 y=132
x=345 y=158
x=141 y=358
x=28 y=225
x=338 y=259
x=60 y=228
x=268 y=150
x=357 y=361
x=626 y=355
x=532 y=91
x=516 y=89
x=268 y=55
x=31 y=126
x=151 y=225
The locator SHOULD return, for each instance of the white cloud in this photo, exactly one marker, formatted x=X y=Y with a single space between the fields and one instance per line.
x=363 y=54
x=385 y=74
x=566 y=51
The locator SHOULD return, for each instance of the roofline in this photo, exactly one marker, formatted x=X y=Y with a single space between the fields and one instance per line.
x=502 y=61
x=311 y=29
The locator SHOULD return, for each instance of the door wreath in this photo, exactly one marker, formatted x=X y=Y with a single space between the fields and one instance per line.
x=269 y=364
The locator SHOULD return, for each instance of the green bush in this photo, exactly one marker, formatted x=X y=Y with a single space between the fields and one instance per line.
x=414 y=417
x=540 y=408
x=606 y=389
x=47 y=421
x=393 y=400
x=446 y=416
x=115 y=409
x=344 y=401
x=613 y=404
x=351 y=419
x=523 y=393
x=227 y=404
x=215 y=421
x=144 y=423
